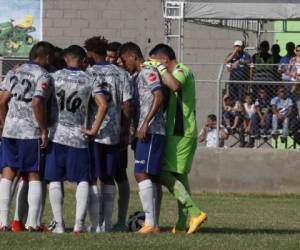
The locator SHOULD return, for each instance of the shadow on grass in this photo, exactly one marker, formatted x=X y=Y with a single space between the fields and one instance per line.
x=229 y=230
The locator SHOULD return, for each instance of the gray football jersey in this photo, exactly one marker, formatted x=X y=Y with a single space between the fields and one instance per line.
x=147 y=81
x=28 y=81
x=73 y=90
x=112 y=82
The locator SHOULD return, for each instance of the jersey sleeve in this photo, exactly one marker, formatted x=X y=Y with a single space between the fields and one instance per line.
x=6 y=84
x=180 y=75
x=44 y=86
x=127 y=88
x=152 y=79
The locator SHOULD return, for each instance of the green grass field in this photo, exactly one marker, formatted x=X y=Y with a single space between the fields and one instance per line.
x=235 y=222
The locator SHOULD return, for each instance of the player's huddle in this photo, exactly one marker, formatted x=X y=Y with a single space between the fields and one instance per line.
x=75 y=125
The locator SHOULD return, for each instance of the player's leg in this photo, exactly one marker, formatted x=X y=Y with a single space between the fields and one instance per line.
x=157 y=197
x=148 y=163
x=93 y=206
x=182 y=211
x=44 y=187
x=54 y=173
x=9 y=172
x=123 y=190
x=182 y=195
x=107 y=173
x=34 y=200
x=21 y=209
x=94 y=202
x=78 y=170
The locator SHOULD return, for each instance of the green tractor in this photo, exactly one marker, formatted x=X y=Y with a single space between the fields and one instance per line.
x=14 y=36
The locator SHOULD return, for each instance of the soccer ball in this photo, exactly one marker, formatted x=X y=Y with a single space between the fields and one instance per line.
x=136 y=221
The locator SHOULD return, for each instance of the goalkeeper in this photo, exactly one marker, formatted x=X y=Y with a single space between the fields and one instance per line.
x=181 y=135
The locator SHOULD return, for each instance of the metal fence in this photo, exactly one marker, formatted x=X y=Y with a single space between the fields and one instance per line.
x=257 y=105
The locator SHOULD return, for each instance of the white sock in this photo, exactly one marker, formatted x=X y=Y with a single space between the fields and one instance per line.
x=82 y=194
x=34 y=202
x=43 y=201
x=21 y=209
x=146 y=196
x=157 y=196
x=5 y=191
x=93 y=207
x=123 y=201
x=56 y=200
x=109 y=192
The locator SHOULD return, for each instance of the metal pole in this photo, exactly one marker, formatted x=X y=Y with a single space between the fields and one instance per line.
x=219 y=107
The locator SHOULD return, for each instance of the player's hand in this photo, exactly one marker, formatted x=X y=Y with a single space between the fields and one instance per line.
x=91 y=132
x=44 y=138
x=262 y=123
x=156 y=64
x=142 y=134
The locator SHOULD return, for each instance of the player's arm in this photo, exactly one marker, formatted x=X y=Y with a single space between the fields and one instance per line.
x=4 y=99
x=156 y=103
x=5 y=96
x=167 y=78
x=39 y=105
x=202 y=135
x=102 y=110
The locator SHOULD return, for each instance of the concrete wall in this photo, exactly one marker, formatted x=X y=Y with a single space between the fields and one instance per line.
x=244 y=171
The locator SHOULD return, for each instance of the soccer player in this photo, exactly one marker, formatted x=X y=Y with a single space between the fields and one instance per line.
x=25 y=132
x=121 y=178
x=105 y=148
x=150 y=126
x=68 y=154
x=181 y=139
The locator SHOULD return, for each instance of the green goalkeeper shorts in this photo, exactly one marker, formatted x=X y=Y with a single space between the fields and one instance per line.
x=179 y=154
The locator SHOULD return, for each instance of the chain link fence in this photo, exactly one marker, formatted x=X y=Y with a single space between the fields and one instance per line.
x=259 y=105
x=7 y=64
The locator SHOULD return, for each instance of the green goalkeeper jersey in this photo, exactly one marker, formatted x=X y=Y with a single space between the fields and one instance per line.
x=181 y=127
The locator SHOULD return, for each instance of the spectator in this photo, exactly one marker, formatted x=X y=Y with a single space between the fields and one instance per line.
x=282 y=108
x=263 y=116
x=263 y=71
x=294 y=66
x=237 y=63
x=285 y=60
x=232 y=111
x=276 y=53
x=249 y=111
x=208 y=134
x=276 y=76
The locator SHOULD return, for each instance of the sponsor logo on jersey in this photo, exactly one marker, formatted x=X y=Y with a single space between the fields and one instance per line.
x=152 y=77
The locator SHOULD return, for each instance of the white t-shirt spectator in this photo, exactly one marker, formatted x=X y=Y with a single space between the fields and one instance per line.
x=211 y=137
x=282 y=105
x=249 y=110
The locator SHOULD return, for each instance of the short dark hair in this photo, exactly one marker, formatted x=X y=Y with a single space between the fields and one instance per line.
x=41 y=49
x=75 y=51
x=130 y=47
x=264 y=44
x=212 y=117
x=114 y=46
x=164 y=49
x=97 y=44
